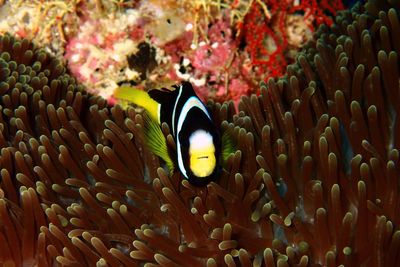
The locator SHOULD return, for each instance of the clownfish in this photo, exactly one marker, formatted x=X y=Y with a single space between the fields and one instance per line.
x=197 y=139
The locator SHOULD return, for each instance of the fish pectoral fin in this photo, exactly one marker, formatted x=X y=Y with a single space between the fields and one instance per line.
x=229 y=146
x=155 y=140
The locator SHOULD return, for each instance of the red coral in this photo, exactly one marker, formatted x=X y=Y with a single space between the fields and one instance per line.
x=137 y=33
x=265 y=37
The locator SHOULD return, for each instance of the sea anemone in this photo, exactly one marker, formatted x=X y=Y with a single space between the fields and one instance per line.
x=314 y=181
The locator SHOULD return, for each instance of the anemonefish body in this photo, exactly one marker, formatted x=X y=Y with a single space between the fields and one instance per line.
x=198 y=142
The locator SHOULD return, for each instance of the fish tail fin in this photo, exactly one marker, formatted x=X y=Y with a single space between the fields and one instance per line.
x=140 y=98
x=155 y=140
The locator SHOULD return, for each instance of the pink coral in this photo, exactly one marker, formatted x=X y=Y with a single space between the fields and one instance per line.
x=212 y=57
x=238 y=88
x=224 y=53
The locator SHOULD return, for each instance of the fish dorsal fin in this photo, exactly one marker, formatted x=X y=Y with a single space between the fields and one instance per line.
x=163 y=95
x=188 y=88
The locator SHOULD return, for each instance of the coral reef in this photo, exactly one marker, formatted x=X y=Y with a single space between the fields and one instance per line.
x=225 y=48
x=49 y=23
x=314 y=182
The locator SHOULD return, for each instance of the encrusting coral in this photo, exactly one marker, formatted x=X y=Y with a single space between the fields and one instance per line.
x=314 y=182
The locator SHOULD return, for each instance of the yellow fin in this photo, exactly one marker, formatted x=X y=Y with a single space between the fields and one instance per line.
x=155 y=140
x=228 y=145
x=140 y=98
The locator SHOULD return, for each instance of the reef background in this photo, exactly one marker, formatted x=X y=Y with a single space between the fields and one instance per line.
x=224 y=48
x=314 y=182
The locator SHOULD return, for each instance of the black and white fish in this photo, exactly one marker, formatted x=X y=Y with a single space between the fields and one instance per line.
x=198 y=141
